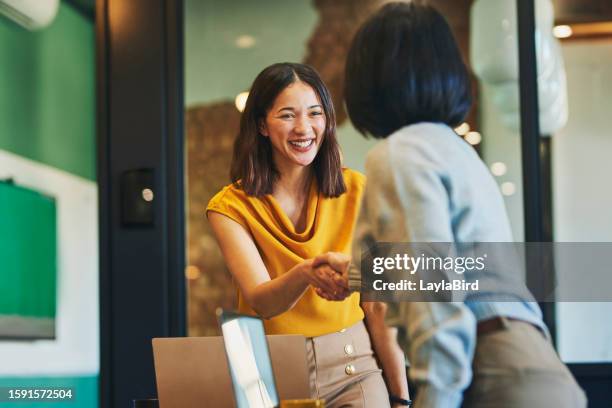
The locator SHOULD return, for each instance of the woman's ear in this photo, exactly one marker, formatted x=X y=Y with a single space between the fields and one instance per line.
x=263 y=129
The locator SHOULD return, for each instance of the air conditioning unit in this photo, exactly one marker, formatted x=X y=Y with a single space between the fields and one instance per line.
x=32 y=14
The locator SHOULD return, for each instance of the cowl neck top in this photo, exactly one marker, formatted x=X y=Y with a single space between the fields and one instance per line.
x=330 y=223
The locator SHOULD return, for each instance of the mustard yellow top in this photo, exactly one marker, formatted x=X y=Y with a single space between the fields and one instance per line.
x=329 y=227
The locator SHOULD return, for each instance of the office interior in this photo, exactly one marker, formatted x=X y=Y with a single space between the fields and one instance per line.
x=103 y=100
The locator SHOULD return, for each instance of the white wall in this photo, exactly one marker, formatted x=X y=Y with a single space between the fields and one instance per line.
x=582 y=172
x=582 y=151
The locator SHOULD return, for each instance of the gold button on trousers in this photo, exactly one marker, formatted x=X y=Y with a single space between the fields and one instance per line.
x=343 y=370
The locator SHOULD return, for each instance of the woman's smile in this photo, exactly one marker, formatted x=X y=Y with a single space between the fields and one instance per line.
x=302 y=145
x=295 y=125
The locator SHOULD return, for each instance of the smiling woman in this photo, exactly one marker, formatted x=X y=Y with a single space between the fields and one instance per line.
x=295 y=125
x=287 y=103
x=282 y=209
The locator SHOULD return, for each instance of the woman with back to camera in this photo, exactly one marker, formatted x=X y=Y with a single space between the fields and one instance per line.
x=289 y=201
x=407 y=85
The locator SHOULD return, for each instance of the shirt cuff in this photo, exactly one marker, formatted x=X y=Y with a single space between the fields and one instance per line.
x=429 y=396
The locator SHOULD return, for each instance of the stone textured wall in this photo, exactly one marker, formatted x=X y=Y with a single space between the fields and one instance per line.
x=331 y=39
x=211 y=130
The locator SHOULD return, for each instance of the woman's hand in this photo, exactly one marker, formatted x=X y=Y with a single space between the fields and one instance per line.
x=336 y=264
x=328 y=283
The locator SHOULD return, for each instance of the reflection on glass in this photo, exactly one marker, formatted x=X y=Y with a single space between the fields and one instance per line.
x=249 y=361
x=494 y=60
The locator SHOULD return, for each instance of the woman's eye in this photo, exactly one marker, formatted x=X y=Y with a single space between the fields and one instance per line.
x=286 y=116
x=316 y=113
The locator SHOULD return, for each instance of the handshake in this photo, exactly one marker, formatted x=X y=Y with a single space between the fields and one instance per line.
x=328 y=275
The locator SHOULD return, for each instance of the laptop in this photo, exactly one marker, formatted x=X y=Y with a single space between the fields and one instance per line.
x=194 y=371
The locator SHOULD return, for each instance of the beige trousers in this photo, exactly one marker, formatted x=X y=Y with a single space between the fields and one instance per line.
x=518 y=367
x=343 y=370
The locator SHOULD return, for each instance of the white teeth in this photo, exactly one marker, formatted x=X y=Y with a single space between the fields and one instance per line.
x=303 y=144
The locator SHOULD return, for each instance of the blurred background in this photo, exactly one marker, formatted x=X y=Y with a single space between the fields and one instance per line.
x=227 y=44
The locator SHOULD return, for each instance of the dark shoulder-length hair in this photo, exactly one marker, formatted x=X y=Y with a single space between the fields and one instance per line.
x=404 y=67
x=252 y=167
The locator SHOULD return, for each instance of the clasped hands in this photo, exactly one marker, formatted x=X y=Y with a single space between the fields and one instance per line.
x=328 y=274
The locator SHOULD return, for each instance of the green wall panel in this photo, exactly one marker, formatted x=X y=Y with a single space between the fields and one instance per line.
x=28 y=260
x=47 y=92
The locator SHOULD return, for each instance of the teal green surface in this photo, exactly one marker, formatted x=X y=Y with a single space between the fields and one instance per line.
x=28 y=235
x=215 y=68
x=47 y=92
x=85 y=391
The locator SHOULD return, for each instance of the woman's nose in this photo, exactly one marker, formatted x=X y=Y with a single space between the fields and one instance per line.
x=301 y=126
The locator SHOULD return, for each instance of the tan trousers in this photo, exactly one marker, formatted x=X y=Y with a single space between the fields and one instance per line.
x=343 y=370
x=517 y=367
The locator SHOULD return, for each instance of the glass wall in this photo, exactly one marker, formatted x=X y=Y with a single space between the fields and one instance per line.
x=228 y=43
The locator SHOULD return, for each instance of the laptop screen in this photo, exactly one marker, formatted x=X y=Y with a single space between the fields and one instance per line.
x=249 y=361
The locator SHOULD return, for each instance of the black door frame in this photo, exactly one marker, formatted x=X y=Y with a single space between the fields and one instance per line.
x=595 y=378
x=139 y=60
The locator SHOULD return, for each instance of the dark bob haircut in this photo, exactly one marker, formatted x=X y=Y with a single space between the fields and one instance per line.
x=253 y=167
x=404 y=67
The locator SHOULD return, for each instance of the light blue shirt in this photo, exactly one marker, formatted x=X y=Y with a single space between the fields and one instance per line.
x=426 y=184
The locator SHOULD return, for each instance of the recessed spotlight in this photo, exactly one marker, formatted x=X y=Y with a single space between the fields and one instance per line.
x=245 y=41
x=499 y=169
x=473 y=138
x=562 y=31
x=241 y=100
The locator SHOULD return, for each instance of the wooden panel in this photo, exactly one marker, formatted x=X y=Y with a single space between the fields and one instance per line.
x=582 y=11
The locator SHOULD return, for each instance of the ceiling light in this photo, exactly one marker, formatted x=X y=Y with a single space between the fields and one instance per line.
x=562 y=31
x=241 y=100
x=245 y=41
